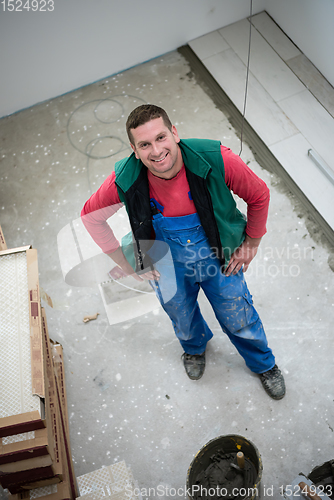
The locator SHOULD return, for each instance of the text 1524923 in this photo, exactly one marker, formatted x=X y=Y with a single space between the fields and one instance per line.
x=27 y=5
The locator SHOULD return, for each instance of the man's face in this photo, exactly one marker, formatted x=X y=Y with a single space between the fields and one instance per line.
x=157 y=147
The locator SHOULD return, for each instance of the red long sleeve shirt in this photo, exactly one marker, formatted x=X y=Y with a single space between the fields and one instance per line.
x=173 y=195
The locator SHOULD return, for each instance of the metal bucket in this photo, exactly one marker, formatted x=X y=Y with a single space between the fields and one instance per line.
x=228 y=445
x=323 y=477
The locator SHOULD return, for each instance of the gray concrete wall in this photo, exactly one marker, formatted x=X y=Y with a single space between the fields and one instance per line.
x=46 y=54
x=310 y=25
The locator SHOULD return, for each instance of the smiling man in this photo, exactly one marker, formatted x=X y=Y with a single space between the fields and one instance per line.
x=156 y=145
x=179 y=192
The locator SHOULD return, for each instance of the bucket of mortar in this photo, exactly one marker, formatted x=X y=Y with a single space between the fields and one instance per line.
x=323 y=477
x=214 y=472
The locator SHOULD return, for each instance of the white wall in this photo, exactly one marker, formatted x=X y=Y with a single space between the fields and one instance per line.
x=310 y=25
x=46 y=54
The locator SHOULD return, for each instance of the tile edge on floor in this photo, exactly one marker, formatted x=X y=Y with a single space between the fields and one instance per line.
x=262 y=153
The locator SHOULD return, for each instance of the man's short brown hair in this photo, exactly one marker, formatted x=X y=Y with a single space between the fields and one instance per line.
x=143 y=114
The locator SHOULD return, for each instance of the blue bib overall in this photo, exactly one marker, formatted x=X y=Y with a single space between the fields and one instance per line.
x=191 y=264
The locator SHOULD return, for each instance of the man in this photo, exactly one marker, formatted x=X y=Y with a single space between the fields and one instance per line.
x=179 y=192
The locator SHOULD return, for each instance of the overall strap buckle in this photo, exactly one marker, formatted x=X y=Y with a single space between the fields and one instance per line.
x=156 y=208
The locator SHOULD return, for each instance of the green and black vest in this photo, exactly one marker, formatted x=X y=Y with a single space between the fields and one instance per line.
x=223 y=223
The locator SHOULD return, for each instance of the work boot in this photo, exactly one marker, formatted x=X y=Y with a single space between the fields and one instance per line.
x=273 y=383
x=194 y=365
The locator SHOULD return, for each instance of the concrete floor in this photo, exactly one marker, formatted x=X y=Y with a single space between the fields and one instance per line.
x=128 y=395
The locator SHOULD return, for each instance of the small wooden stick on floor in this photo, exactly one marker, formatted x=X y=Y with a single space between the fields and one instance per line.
x=89 y=318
